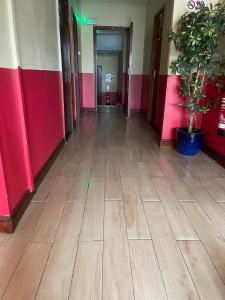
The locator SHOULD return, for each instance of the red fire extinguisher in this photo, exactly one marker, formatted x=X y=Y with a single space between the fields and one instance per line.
x=221 y=124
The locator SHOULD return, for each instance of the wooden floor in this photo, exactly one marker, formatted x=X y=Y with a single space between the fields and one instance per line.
x=116 y=218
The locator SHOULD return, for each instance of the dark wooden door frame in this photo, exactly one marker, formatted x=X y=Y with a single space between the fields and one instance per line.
x=129 y=51
x=95 y=28
x=76 y=67
x=99 y=84
x=155 y=67
x=66 y=65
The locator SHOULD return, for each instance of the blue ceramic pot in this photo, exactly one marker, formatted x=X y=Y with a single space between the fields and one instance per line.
x=189 y=143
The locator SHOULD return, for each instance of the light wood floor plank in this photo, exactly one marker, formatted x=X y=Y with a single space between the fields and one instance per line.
x=88 y=154
x=100 y=154
x=69 y=169
x=125 y=165
x=208 y=204
x=210 y=237
x=222 y=205
x=147 y=169
x=112 y=153
x=43 y=190
x=148 y=283
x=98 y=168
x=56 y=281
x=25 y=281
x=181 y=168
x=14 y=245
x=2 y=237
x=203 y=272
x=140 y=170
x=175 y=181
x=117 y=280
x=180 y=189
x=87 y=279
x=84 y=168
x=113 y=189
x=180 y=224
x=51 y=216
x=214 y=188
x=147 y=190
x=153 y=169
x=137 y=227
x=221 y=183
x=136 y=152
x=79 y=189
x=92 y=226
x=205 y=169
x=176 y=277
x=167 y=168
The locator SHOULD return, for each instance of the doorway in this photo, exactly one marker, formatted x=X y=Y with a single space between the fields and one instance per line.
x=153 y=107
x=69 y=54
x=112 y=58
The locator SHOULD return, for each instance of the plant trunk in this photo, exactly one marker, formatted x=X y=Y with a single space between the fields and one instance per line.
x=191 y=121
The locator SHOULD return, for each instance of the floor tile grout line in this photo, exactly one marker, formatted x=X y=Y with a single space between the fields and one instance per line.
x=169 y=220
x=128 y=247
x=207 y=217
x=78 y=243
x=56 y=232
x=189 y=271
x=161 y=272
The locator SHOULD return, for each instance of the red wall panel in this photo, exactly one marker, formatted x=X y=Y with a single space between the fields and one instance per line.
x=173 y=115
x=135 y=91
x=87 y=90
x=124 y=88
x=43 y=104
x=11 y=143
x=145 y=94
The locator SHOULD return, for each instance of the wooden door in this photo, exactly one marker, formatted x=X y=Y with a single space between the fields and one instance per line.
x=99 y=84
x=130 y=44
x=76 y=63
x=66 y=65
x=155 y=68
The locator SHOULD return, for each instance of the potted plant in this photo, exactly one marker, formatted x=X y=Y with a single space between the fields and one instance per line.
x=201 y=65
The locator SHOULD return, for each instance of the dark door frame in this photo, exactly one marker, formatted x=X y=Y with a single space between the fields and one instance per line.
x=129 y=51
x=95 y=28
x=76 y=68
x=66 y=65
x=98 y=86
x=155 y=68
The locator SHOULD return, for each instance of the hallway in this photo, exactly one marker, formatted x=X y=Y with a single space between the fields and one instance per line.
x=118 y=218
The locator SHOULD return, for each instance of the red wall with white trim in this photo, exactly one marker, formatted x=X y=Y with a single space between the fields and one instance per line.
x=31 y=98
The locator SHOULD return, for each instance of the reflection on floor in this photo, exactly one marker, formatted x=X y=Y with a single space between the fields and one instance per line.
x=118 y=218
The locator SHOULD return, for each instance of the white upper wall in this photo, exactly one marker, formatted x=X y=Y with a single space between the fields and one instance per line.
x=179 y=10
x=113 y=14
x=38 y=36
x=8 y=50
x=174 y=9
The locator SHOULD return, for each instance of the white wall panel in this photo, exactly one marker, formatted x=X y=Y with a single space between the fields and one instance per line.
x=38 y=34
x=8 y=51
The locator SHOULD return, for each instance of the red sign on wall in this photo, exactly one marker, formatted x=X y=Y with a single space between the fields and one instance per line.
x=194 y=5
